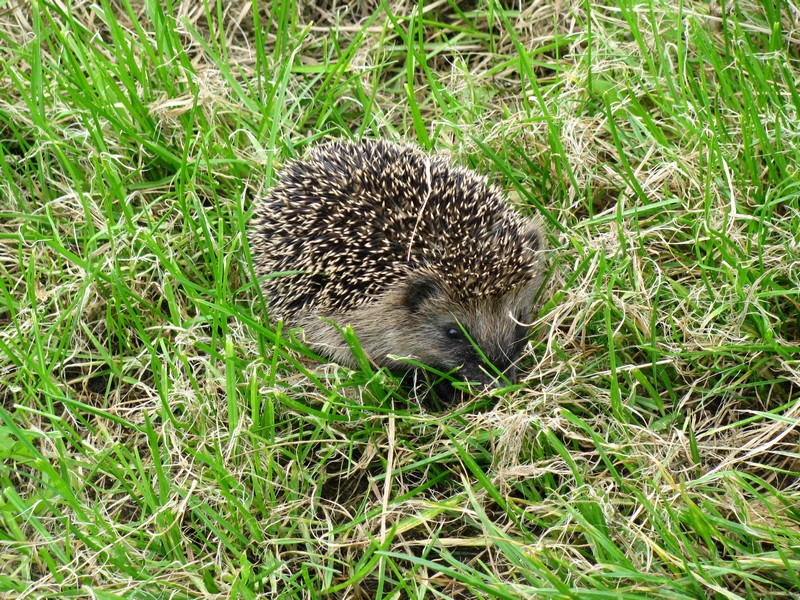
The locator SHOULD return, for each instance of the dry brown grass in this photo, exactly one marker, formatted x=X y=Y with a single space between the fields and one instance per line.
x=159 y=439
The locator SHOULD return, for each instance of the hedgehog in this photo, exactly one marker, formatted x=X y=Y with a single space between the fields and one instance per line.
x=425 y=261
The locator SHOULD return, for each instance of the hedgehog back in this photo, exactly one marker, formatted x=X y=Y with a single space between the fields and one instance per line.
x=352 y=219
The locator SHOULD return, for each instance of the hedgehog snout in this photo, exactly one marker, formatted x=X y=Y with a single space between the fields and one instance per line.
x=492 y=373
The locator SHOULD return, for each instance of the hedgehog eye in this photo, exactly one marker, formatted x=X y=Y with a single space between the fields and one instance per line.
x=454 y=333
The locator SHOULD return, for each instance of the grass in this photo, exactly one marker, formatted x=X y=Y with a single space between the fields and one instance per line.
x=160 y=439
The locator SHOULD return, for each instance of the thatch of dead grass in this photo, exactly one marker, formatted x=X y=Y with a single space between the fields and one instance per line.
x=160 y=439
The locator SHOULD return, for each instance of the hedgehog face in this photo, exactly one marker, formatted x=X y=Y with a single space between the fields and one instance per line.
x=476 y=339
x=480 y=339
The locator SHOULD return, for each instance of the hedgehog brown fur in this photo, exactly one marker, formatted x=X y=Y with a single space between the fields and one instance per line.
x=409 y=250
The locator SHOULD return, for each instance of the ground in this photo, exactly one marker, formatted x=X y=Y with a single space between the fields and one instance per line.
x=160 y=438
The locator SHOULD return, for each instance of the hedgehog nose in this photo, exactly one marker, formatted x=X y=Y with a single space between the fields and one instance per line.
x=511 y=374
x=497 y=381
x=509 y=377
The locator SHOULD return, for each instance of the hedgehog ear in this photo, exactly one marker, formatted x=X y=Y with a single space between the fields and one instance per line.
x=420 y=288
x=531 y=235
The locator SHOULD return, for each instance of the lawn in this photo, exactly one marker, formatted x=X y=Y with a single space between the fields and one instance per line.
x=161 y=438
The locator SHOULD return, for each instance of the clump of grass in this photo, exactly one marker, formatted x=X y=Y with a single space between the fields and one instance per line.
x=160 y=438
